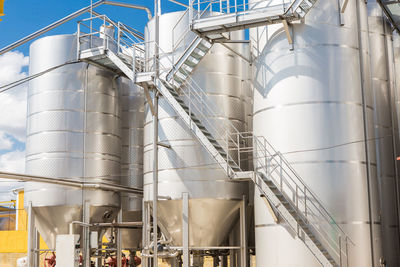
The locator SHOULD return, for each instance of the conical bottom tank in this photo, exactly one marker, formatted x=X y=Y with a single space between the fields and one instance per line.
x=73 y=132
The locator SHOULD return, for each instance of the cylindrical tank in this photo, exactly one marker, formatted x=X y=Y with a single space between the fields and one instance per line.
x=73 y=132
x=310 y=103
x=381 y=48
x=187 y=166
x=132 y=103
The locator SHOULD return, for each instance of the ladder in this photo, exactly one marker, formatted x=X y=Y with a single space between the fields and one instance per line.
x=279 y=184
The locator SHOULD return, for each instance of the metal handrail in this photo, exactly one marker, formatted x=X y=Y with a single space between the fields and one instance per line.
x=268 y=161
x=224 y=7
x=200 y=104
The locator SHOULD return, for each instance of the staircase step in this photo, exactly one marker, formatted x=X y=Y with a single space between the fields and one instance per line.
x=185 y=69
x=198 y=54
x=191 y=61
x=178 y=80
x=204 y=46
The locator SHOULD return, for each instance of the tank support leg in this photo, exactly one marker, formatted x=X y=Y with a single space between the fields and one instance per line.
x=32 y=236
x=146 y=234
x=86 y=234
x=185 y=228
x=119 y=241
x=243 y=236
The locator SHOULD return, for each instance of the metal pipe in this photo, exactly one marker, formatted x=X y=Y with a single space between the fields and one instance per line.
x=113 y=3
x=392 y=82
x=71 y=225
x=119 y=241
x=71 y=183
x=31 y=229
x=155 y=176
x=112 y=224
x=361 y=48
x=49 y=27
x=119 y=224
x=179 y=3
x=68 y=18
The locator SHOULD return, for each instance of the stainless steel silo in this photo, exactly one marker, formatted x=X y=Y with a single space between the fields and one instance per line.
x=384 y=118
x=132 y=103
x=73 y=132
x=313 y=102
x=186 y=166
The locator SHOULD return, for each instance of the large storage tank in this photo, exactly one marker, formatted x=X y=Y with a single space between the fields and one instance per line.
x=382 y=66
x=132 y=103
x=186 y=166
x=308 y=103
x=73 y=132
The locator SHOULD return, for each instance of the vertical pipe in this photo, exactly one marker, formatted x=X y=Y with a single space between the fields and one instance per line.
x=185 y=228
x=31 y=237
x=119 y=241
x=144 y=233
x=391 y=82
x=365 y=126
x=86 y=233
x=155 y=177
x=243 y=237
x=36 y=248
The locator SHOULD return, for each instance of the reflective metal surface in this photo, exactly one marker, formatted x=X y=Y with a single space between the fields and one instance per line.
x=381 y=48
x=186 y=166
x=73 y=131
x=132 y=103
x=308 y=104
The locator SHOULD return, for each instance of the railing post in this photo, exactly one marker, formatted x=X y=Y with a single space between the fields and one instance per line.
x=340 y=251
x=190 y=13
x=281 y=173
x=105 y=33
x=347 y=252
x=305 y=202
x=190 y=105
x=220 y=6
x=238 y=147
x=134 y=62
x=119 y=37
x=227 y=152
x=235 y=6
x=297 y=198
x=78 y=43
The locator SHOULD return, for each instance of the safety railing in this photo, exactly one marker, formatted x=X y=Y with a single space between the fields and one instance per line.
x=213 y=8
x=272 y=165
x=241 y=146
x=268 y=162
x=100 y=32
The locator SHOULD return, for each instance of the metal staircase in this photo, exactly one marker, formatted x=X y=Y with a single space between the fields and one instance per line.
x=189 y=60
x=210 y=17
x=277 y=181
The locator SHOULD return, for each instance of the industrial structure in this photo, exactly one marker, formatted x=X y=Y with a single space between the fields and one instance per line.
x=229 y=131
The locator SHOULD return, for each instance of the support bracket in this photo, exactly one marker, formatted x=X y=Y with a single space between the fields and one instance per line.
x=271 y=210
x=148 y=98
x=288 y=33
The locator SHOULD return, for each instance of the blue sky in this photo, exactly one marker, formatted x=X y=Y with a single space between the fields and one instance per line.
x=23 y=17
x=26 y=16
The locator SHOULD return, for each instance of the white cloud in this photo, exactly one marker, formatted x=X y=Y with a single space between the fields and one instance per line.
x=13 y=161
x=13 y=102
x=12 y=119
x=5 y=141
